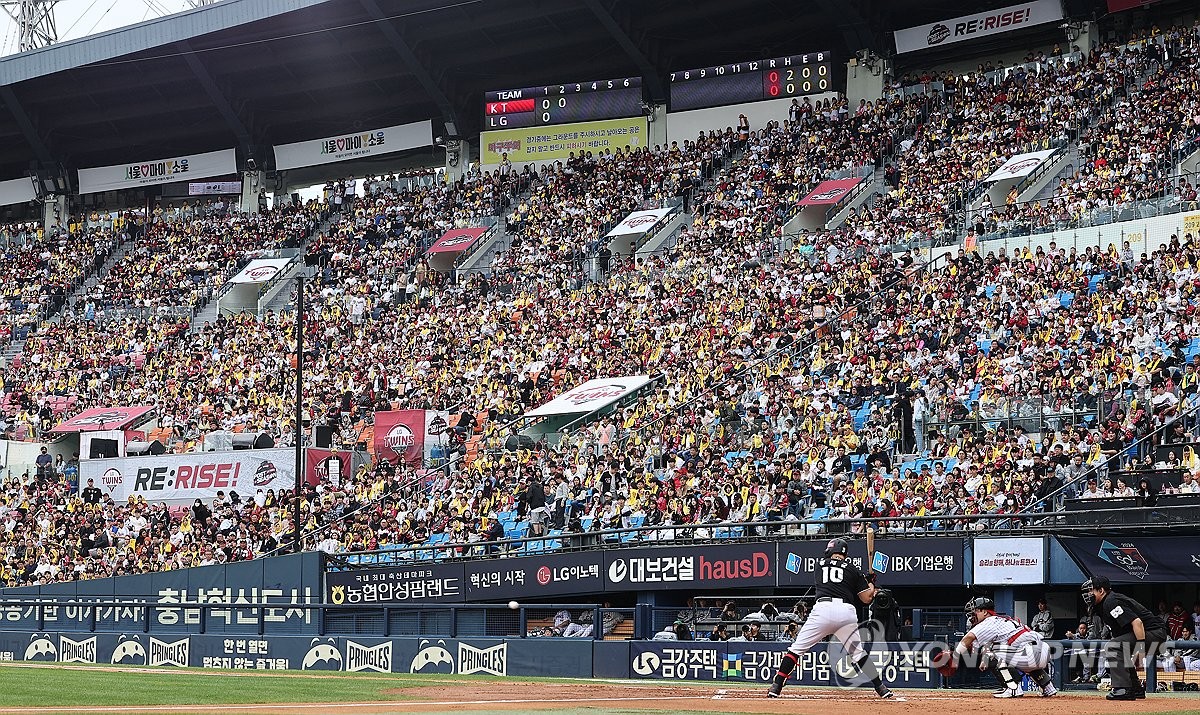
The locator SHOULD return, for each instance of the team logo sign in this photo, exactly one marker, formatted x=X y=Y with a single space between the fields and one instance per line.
x=322 y=655
x=938 y=34
x=262 y=273
x=400 y=438
x=129 y=651
x=432 y=658
x=41 y=648
x=596 y=392
x=265 y=474
x=437 y=425
x=1126 y=557
x=112 y=478
x=457 y=241
x=826 y=195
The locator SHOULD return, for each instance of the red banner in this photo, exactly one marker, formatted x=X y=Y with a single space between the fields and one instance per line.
x=456 y=240
x=322 y=463
x=103 y=418
x=1119 y=5
x=400 y=434
x=830 y=192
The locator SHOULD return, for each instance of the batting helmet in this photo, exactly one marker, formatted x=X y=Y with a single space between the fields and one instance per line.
x=836 y=546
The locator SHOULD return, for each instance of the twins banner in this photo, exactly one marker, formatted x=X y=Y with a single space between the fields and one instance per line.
x=335 y=464
x=410 y=435
x=157 y=171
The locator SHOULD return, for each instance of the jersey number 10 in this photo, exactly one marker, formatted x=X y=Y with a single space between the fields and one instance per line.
x=832 y=574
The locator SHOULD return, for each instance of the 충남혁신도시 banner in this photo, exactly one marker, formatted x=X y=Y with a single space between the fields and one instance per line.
x=551 y=143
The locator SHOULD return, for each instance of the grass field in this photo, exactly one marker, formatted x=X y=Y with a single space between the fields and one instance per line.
x=41 y=689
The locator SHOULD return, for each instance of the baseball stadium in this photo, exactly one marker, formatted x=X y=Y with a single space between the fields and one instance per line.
x=600 y=356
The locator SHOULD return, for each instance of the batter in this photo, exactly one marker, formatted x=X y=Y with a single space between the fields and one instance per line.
x=840 y=587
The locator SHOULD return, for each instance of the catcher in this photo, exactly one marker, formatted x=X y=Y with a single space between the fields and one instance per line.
x=1015 y=647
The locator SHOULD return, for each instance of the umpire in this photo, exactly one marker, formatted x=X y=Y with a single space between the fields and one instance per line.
x=1136 y=633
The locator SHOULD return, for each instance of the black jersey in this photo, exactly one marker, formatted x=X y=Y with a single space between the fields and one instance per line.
x=839 y=578
x=1117 y=611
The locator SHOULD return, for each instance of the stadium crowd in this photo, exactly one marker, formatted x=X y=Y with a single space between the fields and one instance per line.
x=818 y=374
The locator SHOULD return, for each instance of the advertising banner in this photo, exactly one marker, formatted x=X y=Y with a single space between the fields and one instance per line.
x=208 y=188
x=548 y=144
x=977 y=25
x=103 y=418
x=1009 y=561
x=1020 y=165
x=830 y=192
x=1148 y=559
x=535 y=578
x=717 y=566
x=354 y=145
x=639 y=222
x=17 y=191
x=900 y=665
x=457 y=240
x=554 y=657
x=396 y=584
x=590 y=396
x=184 y=477
x=260 y=270
x=157 y=171
x=931 y=561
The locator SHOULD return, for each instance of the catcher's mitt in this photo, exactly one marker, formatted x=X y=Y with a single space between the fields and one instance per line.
x=944 y=662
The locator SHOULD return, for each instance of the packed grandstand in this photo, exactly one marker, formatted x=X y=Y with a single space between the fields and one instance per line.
x=891 y=365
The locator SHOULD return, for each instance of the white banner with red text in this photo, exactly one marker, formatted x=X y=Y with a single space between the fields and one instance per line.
x=1009 y=561
x=183 y=477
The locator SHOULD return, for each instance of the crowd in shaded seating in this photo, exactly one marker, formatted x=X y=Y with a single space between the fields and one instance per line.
x=814 y=375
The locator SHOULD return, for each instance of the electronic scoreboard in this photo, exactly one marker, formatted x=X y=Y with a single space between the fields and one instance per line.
x=717 y=86
x=562 y=103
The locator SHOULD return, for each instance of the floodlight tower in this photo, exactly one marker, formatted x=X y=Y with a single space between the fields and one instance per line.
x=201 y=3
x=35 y=22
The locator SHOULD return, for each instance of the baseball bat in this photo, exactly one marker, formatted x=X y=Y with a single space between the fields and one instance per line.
x=871 y=549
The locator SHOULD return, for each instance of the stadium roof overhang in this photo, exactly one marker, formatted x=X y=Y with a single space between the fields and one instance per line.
x=255 y=73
